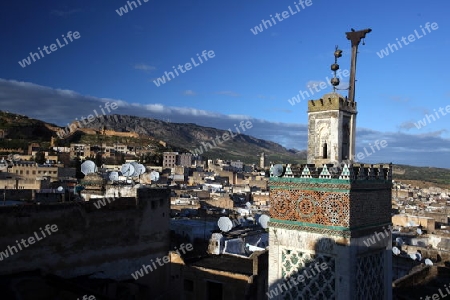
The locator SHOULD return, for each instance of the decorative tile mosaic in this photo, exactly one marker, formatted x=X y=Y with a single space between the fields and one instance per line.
x=325 y=208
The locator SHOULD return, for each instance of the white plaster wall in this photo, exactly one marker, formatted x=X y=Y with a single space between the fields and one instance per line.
x=345 y=252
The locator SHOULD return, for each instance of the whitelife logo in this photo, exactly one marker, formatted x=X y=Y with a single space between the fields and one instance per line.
x=383 y=143
x=370 y=241
x=225 y=137
x=187 y=66
x=90 y=118
x=124 y=9
x=411 y=38
x=423 y=122
x=438 y=296
x=285 y=14
x=165 y=260
x=31 y=240
x=102 y=202
x=71 y=36
x=322 y=85
x=300 y=278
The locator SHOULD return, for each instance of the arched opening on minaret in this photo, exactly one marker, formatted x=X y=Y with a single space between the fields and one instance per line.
x=345 y=151
x=325 y=150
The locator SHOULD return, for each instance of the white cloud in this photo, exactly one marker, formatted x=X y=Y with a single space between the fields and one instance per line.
x=61 y=106
x=144 y=67
x=228 y=93
x=64 y=13
x=189 y=93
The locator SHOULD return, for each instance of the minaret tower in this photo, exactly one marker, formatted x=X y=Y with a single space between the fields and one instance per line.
x=329 y=231
x=262 y=160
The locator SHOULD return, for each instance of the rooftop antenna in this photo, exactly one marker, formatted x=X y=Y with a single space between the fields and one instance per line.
x=278 y=170
x=127 y=170
x=355 y=37
x=263 y=220
x=88 y=167
x=225 y=224
x=154 y=176
x=428 y=262
x=114 y=176
x=395 y=250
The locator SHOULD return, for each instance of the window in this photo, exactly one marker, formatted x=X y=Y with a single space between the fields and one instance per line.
x=153 y=204
x=161 y=202
x=325 y=152
x=213 y=290
x=34 y=172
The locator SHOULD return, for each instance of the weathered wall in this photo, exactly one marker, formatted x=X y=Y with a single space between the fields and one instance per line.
x=110 y=242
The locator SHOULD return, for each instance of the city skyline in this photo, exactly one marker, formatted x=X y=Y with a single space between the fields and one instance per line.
x=252 y=76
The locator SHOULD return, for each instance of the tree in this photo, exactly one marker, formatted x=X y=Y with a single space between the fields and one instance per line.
x=122 y=159
x=39 y=157
x=98 y=159
x=78 y=173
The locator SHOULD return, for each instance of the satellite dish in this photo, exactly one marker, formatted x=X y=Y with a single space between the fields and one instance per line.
x=154 y=176
x=114 y=176
x=278 y=170
x=136 y=167
x=263 y=220
x=413 y=256
x=127 y=170
x=419 y=231
x=60 y=189
x=225 y=224
x=88 y=167
x=418 y=256
x=395 y=250
x=428 y=262
x=411 y=223
x=399 y=241
x=141 y=169
x=248 y=205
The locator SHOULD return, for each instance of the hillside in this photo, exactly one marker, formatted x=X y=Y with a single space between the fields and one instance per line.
x=422 y=176
x=184 y=137
x=190 y=136
x=20 y=130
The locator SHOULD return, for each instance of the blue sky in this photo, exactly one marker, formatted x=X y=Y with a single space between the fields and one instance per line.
x=250 y=77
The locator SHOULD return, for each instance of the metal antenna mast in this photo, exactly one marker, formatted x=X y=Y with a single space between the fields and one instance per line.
x=355 y=37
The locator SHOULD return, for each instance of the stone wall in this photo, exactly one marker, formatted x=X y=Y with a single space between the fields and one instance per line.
x=109 y=242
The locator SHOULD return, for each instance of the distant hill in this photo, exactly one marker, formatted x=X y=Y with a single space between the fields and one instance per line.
x=184 y=137
x=190 y=136
x=422 y=176
x=21 y=130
